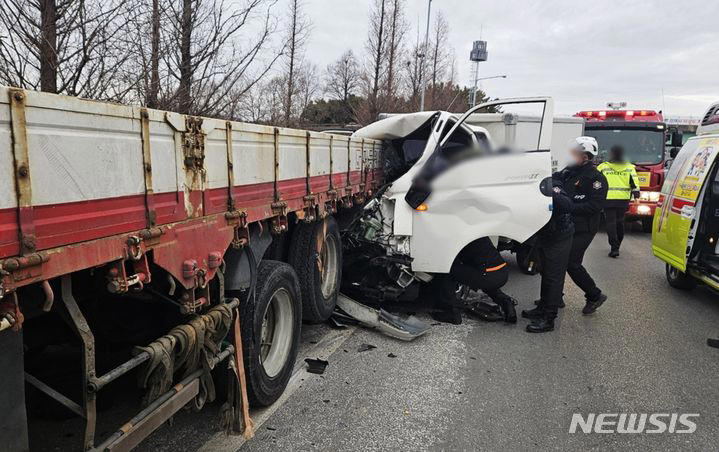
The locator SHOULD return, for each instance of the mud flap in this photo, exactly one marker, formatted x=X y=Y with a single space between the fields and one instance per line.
x=405 y=329
x=13 y=422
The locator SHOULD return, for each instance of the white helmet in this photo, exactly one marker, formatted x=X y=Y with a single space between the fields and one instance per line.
x=585 y=144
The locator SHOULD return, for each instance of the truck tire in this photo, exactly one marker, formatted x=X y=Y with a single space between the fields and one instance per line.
x=647 y=224
x=678 y=279
x=523 y=254
x=271 y=332
x=316 y=256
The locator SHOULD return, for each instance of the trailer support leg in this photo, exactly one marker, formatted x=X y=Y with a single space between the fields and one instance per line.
x=79 y=323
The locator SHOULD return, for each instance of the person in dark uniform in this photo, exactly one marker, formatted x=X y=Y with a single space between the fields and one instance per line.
x=478 y=266
x=554 y=245
x=587 y=188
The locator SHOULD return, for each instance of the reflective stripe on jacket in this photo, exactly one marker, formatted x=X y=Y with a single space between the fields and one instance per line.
x=621 y=178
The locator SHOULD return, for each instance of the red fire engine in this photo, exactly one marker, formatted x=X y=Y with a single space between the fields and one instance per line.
x=642 y=133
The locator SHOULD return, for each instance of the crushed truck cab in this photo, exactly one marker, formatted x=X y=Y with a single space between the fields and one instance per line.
x=450 y=186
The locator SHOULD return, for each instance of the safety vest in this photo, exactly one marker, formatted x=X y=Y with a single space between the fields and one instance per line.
x=622 y=179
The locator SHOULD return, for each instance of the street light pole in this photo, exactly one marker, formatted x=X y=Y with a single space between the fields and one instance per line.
x=476 y=81
x=424 y=54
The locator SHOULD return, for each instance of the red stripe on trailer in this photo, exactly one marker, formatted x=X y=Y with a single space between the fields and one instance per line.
x=319 y=184
x=339 y=180
x=9 y=245
x=355 y=177
x=292 y=188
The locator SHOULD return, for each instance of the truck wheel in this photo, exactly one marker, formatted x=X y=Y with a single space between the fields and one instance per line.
x=523 y=255
x=271 y=332
x=647 y=224
x=678 y=279
x=316 y=256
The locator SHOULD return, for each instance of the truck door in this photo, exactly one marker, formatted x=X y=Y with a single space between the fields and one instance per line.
x=477 y=192
x=678 y=207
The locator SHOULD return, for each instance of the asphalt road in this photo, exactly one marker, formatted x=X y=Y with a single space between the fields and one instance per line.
x=490 y=386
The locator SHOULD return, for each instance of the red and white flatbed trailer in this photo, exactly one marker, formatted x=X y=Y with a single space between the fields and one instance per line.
x=129 y=195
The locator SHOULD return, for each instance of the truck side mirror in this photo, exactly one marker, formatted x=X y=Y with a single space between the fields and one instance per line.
x=677 y=139
x=673 y=152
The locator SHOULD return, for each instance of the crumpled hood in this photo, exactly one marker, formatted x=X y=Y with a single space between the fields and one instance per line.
x=395 y=127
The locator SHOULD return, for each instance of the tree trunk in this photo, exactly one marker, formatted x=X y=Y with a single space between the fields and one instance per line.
x=291 y=70
x=154 y=89
x=392 y=49
x=48 y=46
x=185 y=93
x=374 y=107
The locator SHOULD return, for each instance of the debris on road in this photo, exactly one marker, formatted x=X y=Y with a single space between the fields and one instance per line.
x=405 y=329
x=484 y=311
x=316 y=366
x=391 y=355
x=365 y=347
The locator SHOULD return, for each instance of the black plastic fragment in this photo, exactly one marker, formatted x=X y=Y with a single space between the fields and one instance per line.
x=316 y=366
x=365 y=347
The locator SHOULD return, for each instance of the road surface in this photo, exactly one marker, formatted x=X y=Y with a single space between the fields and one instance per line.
x=491 y=386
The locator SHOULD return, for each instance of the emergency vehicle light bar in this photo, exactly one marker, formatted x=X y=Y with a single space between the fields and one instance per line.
x=627 y=115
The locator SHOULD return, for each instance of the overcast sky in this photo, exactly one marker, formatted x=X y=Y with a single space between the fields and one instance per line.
x=582 y=53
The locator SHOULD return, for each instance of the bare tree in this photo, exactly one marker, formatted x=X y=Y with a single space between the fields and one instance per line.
x=61 y=46
x=440 y=53
x=154 y=85
x=376 y=47
x=342 y=77
x=206 y=57
x=298 y=33
x=397 y=27
x=414 y=74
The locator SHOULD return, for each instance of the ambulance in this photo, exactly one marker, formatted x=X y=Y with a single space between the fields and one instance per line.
x=685 y=231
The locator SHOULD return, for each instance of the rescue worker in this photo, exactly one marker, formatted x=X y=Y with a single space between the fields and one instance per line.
x=587 y=188
x=554 y=245
x=480 y=267
x=623 y=184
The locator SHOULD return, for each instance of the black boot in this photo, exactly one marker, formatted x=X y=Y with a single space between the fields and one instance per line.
x=614 y=253
x=450 y=315
x=594 y=303
x=541 y=325
x=535 y=313
x=506 y=305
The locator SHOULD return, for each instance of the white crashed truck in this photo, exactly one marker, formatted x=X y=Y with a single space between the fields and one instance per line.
x=401 y=242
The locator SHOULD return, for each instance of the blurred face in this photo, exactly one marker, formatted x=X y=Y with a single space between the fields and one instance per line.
x=578 y=155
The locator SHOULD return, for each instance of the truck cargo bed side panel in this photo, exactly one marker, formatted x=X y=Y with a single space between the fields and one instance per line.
x=9 y=244
x=292 y=165
x=253 y=169
x=319 y=163
x=340 y=162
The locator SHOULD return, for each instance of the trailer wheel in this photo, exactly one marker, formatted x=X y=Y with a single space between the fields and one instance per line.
x=678 y=279
x=271 y=332
x=316 y=256
x=523 y=257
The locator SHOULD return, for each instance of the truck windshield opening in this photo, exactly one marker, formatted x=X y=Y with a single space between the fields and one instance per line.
x=641 y=146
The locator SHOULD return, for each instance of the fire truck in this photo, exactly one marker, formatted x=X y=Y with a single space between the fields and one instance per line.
x=643 y=134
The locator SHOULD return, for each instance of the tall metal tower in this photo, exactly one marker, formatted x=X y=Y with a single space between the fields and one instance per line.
x=478 y=54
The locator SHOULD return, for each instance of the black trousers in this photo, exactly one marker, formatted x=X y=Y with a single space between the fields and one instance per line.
x=554 y=254
x=614 y=217
x=576 y=270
